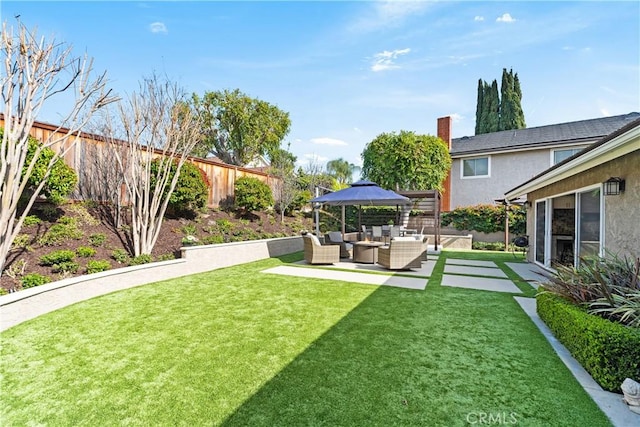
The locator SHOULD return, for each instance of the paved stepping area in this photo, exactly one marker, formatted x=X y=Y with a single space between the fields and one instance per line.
x=472 y=262
x=425 y=271
x=480 y=283
x=347 y=276
x=494 y=279
x=529 y=272
x=473 y=270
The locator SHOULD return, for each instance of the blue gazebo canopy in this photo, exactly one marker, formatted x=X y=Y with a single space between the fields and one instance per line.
x=363 y=193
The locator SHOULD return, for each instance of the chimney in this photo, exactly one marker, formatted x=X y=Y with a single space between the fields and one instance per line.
x=444 y=133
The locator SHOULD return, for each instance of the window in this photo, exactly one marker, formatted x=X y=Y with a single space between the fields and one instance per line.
x=560 y=155
x=475 y=167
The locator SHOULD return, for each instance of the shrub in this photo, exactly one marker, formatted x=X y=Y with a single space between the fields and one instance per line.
x=189 y=230
x=97 y=265
x=60 y=232
x=97 y=239
x=16 y=269
x=22 y=242
x=31 y=220
x=61 y=181
x=609 y=351
x=141 y=259
x=57 y=257
x=33 y=279
x=82 y=213
x=225 y=225
x=66 y=267
x=120 y=256
x=608 y=287
x=166 y=257
x=488 y=246
x=3 y=291
x=213 y=239
x=252 y=195
x=85 y=252
x=192 y=189
x=486 y=218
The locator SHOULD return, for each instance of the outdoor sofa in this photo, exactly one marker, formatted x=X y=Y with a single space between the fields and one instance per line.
x=403 y=253
x=316 y=253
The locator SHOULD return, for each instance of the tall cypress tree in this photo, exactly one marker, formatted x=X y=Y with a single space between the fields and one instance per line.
x=493 y=108
x=507 y=101
x=519 y=121
x=479 y=105
x=494 y=114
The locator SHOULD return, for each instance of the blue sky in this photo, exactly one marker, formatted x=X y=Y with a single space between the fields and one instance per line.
x=348 y=71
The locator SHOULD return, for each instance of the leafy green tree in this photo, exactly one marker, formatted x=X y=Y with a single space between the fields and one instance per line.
x=61 y=179
x=342 y=171
x=252 y=195
x=406 y=161
x=287 y=191
x=238 y=128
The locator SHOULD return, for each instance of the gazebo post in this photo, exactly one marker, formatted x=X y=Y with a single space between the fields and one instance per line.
x=343 y=220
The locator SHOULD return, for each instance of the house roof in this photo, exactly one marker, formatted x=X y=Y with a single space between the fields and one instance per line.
x=618 y=143
x=583 y=131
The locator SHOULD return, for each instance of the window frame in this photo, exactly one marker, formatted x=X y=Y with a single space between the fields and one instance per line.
x=488 y=175
x=557 y=150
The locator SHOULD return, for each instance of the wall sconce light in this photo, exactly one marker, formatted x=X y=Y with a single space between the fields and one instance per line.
x=613 y=186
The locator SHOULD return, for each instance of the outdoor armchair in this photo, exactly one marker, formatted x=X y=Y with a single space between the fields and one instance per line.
x=315 y=253
x=335 y=238
x=403 y=253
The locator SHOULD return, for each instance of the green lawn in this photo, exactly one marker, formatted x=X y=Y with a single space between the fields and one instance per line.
x=239 y=347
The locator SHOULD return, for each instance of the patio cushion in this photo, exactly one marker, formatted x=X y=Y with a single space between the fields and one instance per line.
x=335 y=236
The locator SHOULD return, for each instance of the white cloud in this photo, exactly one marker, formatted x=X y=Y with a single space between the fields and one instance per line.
x=478 y=18
x=327 y=141
x=385 y=60
x=158 y=27
x=506 y=18
x=357 y=129
x=456 y=118
x=385 y=14
x=605 y=112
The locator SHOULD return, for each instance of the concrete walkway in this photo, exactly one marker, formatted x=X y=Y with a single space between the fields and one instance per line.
x=475 y=274
x=347 y=276
x=529 y=272
x=425 y=271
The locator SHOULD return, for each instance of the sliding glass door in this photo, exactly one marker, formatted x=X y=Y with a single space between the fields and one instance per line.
x=589 y=208
x=540 y=241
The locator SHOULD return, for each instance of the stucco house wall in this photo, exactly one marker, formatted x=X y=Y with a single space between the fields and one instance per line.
x=505 y=172
x=519 y=155
x=621 y=212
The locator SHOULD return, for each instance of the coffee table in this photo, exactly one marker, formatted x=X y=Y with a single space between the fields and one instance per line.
x=366 y=252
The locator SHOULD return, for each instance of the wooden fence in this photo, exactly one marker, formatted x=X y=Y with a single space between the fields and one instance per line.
x=93 y=161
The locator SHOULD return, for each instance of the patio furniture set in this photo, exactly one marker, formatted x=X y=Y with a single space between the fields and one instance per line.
x=398 y=253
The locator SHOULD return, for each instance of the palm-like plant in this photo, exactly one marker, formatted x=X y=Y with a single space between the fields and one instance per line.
x=608 y=287
x=342 y=171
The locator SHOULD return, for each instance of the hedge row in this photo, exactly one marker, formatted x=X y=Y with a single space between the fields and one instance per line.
x=609 y=351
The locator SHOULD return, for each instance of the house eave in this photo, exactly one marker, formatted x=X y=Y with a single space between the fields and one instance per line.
x=620 y=145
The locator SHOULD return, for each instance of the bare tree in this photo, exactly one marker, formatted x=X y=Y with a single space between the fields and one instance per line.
x=161 y=130
x=34 y=72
